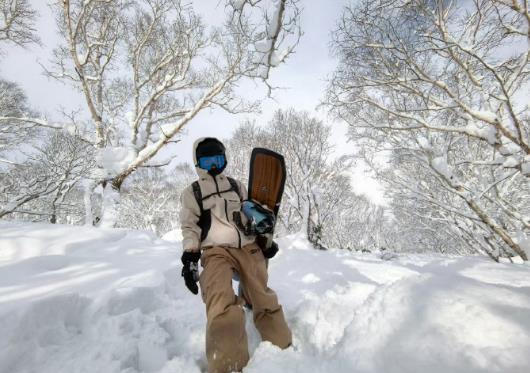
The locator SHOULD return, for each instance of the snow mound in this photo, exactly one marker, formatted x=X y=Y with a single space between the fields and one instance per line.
x=80 y=299
x=173 y=236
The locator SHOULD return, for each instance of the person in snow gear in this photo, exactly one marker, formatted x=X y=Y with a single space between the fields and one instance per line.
x=214 y=232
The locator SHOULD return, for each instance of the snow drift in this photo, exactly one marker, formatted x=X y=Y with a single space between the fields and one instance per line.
x=78 y=299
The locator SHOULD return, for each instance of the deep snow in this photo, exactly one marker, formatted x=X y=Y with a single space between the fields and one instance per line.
x=79 y=299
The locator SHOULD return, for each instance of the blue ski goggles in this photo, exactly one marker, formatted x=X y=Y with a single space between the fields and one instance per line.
x=261 y=220
x=212 y=161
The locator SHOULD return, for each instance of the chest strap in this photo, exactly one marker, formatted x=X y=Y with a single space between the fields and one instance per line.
x=198 y=193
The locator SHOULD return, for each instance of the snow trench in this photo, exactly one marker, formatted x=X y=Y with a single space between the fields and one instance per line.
x=79 y=299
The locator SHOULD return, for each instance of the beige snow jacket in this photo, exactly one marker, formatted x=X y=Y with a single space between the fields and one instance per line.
x=220 y=202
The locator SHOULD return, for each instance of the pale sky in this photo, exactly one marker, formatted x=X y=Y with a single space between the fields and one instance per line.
x=303 y=76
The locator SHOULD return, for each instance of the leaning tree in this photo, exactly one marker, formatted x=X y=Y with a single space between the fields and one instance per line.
x=147 y=68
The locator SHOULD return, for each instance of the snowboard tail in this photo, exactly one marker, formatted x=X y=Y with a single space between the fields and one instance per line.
x=267 y=178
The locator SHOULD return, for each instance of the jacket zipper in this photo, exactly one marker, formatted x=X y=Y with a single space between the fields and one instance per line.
x=233 y=225
x=226 y=213
x=216 y=186
x=238 y=236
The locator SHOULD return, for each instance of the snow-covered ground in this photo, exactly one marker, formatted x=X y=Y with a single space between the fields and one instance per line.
x=79 y=299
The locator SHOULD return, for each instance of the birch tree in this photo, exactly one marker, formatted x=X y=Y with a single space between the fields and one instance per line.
x=39 y=169
x=17 y=22
x=147 y=68
x=13 y=103
x=443 y=84
x=50 y=171
x=151 y=198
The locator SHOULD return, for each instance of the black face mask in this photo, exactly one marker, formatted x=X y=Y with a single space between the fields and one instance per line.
x=216 y=171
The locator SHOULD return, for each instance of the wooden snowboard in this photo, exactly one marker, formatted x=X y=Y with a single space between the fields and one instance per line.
x=266 y=182
x=267 y=178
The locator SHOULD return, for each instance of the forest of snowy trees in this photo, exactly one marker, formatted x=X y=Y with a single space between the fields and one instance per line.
x=434 y=93
x=442 y=88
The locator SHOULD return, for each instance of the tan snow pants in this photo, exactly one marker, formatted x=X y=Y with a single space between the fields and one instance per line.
x=226 y=338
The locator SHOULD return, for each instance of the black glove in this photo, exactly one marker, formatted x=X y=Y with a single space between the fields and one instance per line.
x=267 y=245
x=190 y=271
x=271 y=251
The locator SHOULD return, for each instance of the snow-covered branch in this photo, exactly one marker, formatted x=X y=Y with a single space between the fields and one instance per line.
x=147 y=68
x=428 y=81
x=17 y=22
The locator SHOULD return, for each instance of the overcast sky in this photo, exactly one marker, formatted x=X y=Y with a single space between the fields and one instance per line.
x=303 y=76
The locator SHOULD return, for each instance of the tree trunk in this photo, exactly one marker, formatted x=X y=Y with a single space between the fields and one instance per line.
x=498 y=230
x=109 y=205
x=89 y=190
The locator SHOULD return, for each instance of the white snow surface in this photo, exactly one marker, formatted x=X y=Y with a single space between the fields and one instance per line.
x=83 y=299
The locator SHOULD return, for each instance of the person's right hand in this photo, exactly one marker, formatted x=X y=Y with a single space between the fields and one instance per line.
x=190 y=270
x=271 y=251
x=267 y=245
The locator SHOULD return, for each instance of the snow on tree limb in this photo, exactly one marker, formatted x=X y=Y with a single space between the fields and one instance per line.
x=279 y=35
x=32 y=121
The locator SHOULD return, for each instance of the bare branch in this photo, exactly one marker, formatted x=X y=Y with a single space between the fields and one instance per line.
x=17 y=22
